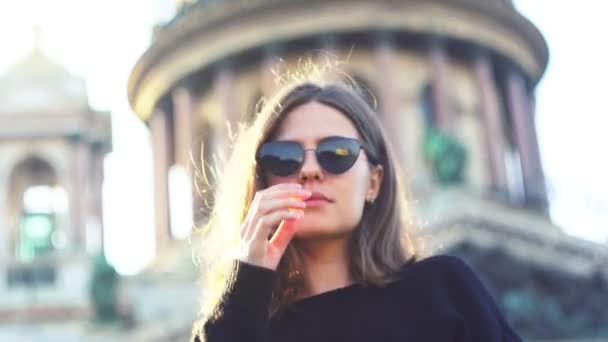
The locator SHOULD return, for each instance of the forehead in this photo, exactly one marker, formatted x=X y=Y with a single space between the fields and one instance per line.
x=314 y=121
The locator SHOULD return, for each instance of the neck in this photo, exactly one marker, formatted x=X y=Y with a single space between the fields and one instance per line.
x=326 y=266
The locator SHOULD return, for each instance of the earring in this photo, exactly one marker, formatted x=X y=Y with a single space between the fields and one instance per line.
x=370 y=200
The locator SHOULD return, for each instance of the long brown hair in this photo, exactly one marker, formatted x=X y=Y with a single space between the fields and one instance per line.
x=382 y=242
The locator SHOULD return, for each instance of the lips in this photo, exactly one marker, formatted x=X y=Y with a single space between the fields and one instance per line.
x=317 y=196
x=317 y=199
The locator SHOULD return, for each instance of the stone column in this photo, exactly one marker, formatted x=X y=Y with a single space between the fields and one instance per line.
x=267 y=78
x=78 y=193
x=64 y=220
x=160 y=145
x=328 y=45
x=440 y=85
x=96 y=209
x=198 y=182
x=90 y=222
x=187 y=153
x=204 y=178
x=271 y=68
x=227 y=117
x=526 y=141
x=491 y=122
x=5 y=248
x=388 y=98
x=184 y=105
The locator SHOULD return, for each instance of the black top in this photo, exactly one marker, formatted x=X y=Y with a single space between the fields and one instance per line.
x=435 y=299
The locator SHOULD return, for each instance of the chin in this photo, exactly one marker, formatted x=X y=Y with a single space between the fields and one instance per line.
x=309 y=232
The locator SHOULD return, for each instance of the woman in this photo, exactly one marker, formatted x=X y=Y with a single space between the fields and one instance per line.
x=324 y=243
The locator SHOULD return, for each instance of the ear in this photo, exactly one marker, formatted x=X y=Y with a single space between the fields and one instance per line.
x=375 y=181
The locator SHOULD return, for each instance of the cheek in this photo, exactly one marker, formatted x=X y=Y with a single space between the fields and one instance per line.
x=353 y=188
x=274 y=180
x=351 y=212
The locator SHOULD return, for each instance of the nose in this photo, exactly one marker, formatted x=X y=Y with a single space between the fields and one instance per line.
x=310 y=170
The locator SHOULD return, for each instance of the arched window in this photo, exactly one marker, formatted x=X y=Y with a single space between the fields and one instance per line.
x=35 y=201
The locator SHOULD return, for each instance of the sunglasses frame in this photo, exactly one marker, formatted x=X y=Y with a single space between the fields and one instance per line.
x=304 y=150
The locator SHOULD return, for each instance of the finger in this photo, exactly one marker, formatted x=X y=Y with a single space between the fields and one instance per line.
x=264 y=203
x=267 y=223
x=283 y=236
x=284 y=193
x=246 y=229
x=286 y=185
x=283 y=187
x=246 y=226
x=293 y=190
x=281 y=203
x=279 y=191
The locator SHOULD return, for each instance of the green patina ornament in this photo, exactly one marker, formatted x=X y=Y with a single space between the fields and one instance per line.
x=446 y=155
x=104 y=290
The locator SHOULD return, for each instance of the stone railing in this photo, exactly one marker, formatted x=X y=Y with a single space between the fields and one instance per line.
x=48 y=290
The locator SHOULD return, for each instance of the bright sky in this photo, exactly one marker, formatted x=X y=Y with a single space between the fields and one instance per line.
x=101 y=40
x=572 y=116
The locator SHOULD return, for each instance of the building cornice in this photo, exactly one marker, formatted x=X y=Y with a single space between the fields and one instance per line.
x=204 y=35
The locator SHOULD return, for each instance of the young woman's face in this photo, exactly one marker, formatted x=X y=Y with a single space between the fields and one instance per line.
x=307 y=125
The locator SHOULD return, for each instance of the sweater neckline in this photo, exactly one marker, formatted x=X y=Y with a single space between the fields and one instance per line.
x=327 y=294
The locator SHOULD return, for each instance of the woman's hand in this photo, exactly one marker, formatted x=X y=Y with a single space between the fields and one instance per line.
x=277 y=206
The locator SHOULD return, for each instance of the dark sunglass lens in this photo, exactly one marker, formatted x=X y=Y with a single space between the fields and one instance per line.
x=338 y=155
x=280 y=158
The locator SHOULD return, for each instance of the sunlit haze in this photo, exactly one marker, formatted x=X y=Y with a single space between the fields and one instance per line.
x=101 y=40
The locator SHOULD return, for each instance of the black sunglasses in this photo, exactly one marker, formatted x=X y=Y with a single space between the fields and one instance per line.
x=335 y=155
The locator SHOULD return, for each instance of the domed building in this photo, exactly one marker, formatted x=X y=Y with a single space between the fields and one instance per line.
x=52 y=146
x=454 y=83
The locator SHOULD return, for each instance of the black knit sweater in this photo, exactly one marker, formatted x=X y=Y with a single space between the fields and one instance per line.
x=435 y=299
